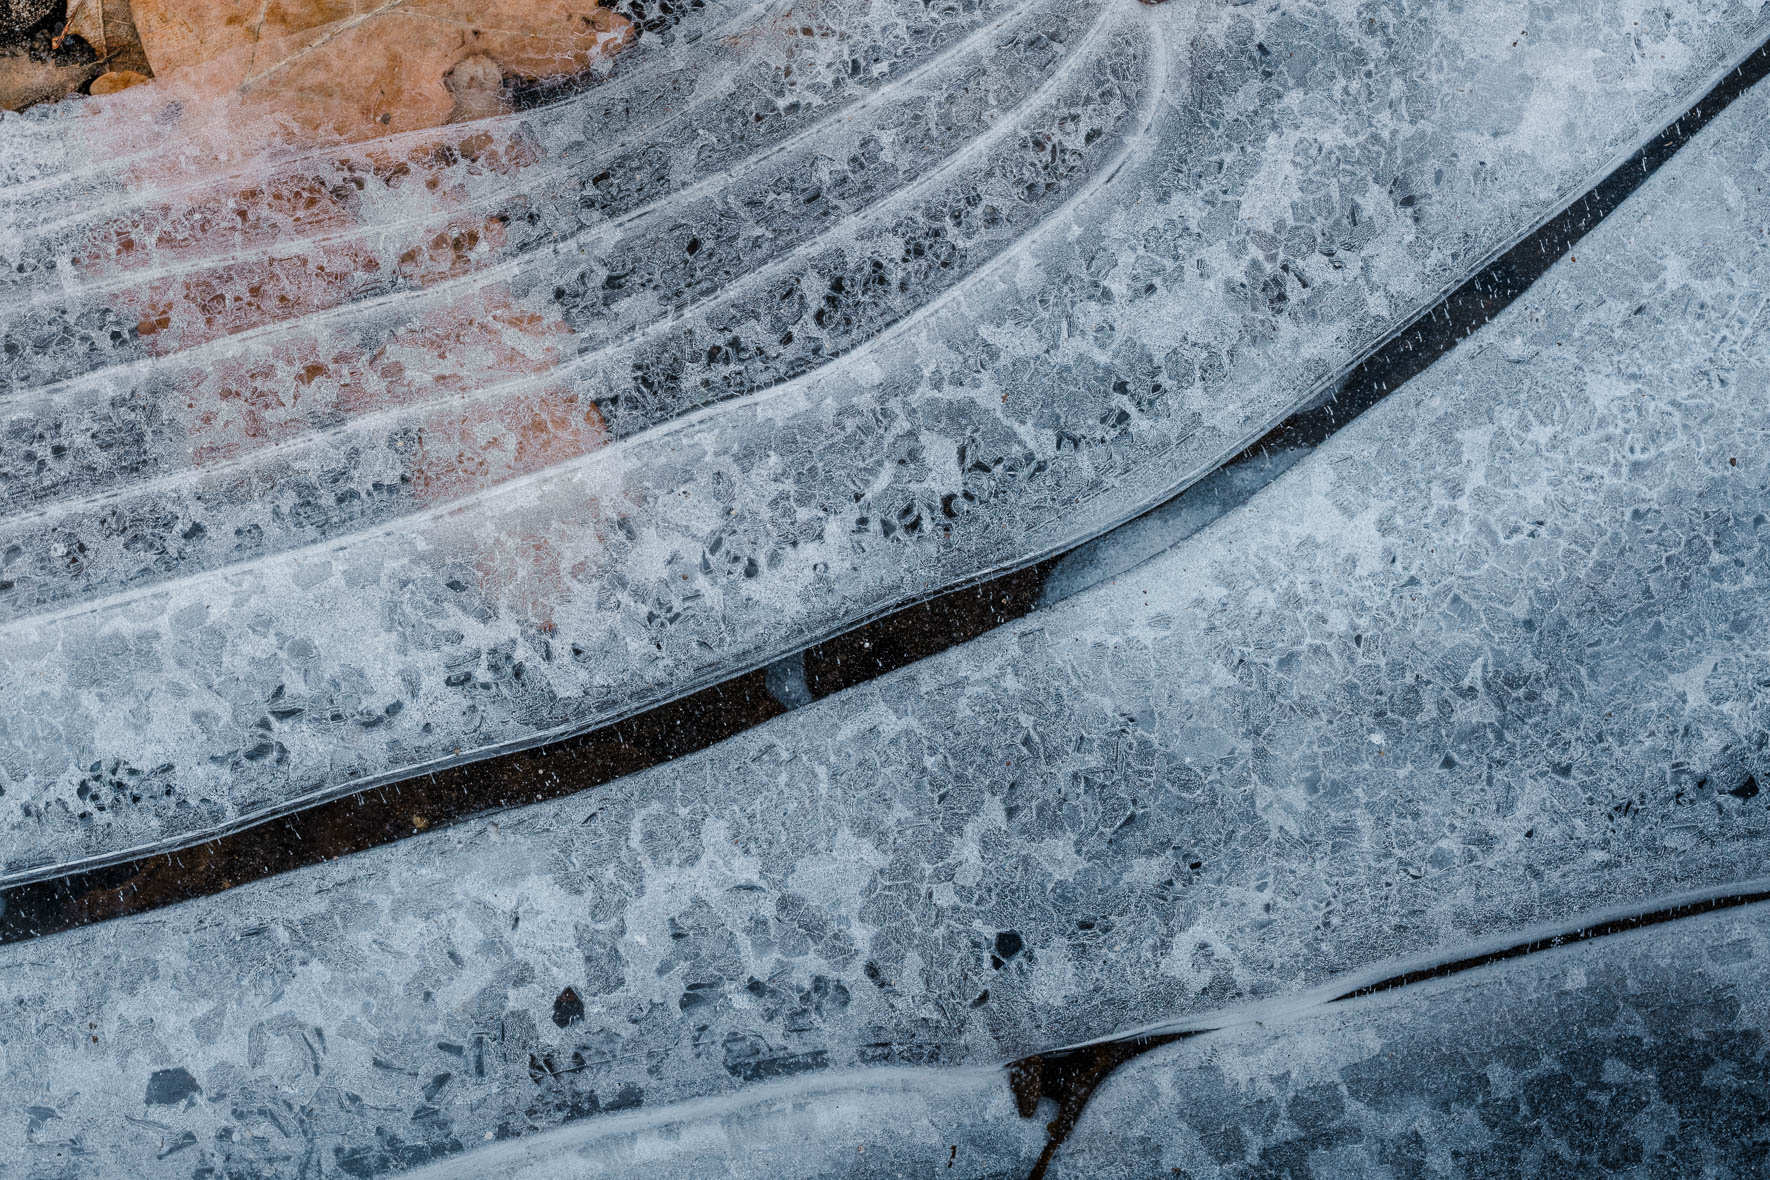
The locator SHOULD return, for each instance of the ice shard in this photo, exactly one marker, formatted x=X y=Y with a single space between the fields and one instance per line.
x=322 y=467
x=1488 y=662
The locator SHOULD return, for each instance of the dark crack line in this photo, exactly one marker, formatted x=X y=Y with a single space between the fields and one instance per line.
x=385 y=814
x=910 y=632
x=1604 y=929
x=1496 y=286
x=1071 y=1077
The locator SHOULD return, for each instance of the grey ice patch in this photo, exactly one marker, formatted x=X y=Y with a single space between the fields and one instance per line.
x=786 y=683
x=169 y=1087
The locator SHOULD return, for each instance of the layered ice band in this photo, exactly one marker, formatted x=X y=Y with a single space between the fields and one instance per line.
x=848 y=313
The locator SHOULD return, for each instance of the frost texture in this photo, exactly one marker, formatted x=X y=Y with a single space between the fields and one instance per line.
x=322 y=469
x=1492 y=657
x=1646 y=1051
x=1643 y=1053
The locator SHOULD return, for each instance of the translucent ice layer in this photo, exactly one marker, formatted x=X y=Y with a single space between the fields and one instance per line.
x=320 y=467
x=1648 y=1052
x=1491 y=658
x=1643 y=1051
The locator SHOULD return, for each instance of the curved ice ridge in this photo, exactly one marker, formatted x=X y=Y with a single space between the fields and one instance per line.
x=64 y=162
x=249 y=495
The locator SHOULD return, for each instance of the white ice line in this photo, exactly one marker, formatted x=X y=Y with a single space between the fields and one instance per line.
x=619 y=84
x=404 y=526
x=123 y=281
x=751 y=279
x=506 y=1158
x=230 y=345
x=992 y=1081
x=72 y=288
x=1315 y=1000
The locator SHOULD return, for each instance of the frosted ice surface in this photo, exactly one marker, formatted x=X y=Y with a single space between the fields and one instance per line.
x=1491 y=658
x=320 y=469
x=1647 y=1052
x=1646 y=1049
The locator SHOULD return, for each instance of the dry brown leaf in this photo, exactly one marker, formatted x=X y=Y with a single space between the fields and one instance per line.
x=24 y=82
x=180 y=33
x=122 y=51
x=85 y=20
x=354 y=69
x=115 y=80
x=105 y=26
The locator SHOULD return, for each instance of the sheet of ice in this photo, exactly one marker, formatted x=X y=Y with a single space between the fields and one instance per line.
x=779 y=325
x=1492 y=657
x=1646 y=1050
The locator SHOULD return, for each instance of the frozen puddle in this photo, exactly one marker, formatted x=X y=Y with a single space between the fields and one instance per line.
x=1646 y=1050
x=1489 y=660
x=777 y=326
